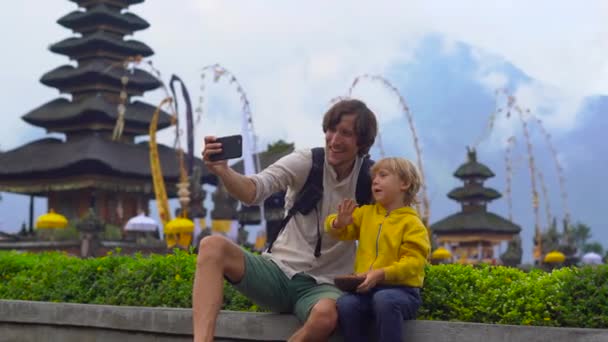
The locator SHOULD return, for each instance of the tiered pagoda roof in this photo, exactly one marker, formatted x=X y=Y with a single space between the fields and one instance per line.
x=62 y=115
x=95 y=81
x=98 y=76
x=88 y=114
x=473 y=197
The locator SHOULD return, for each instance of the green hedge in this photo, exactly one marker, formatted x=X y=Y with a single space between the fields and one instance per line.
x=574 y=297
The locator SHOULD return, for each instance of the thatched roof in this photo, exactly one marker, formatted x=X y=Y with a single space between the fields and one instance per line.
x=101 y=41
x=474 y=222
x=62 y=112
x=473 y=192
x=91 y=3
x=102 y=14
x=86 y=77
x=94 y=154
x=472 y=168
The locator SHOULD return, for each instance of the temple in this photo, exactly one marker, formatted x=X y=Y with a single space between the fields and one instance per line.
x=86 y=166
x=473 y=234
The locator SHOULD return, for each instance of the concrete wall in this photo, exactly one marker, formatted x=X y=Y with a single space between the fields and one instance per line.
x=26 y=321
x=75 y=247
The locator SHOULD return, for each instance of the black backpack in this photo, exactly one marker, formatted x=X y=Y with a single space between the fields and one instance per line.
x=312 y=191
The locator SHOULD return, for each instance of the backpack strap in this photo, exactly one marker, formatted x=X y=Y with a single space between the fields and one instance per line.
x=309 y=195
x=363 y=192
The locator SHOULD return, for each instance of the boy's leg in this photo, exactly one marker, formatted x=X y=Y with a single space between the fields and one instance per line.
x=393 y=305
x=354 y=316
x=315 y=306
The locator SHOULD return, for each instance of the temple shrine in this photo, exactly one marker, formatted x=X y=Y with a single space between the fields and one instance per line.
x=474 y=234
x=86 y=166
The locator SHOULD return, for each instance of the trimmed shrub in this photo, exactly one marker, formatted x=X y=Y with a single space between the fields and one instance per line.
x=572 y=297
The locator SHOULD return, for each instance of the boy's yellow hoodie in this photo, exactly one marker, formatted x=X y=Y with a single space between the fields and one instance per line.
x=397 y=242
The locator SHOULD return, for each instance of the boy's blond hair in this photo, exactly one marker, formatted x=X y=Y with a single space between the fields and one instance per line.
x=406 y=171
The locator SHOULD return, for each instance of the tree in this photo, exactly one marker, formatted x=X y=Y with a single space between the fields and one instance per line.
x=573 y=241
x=580 y=233
x=551 y=240
x=280 y=146
x=512 y=256
x=594 y=247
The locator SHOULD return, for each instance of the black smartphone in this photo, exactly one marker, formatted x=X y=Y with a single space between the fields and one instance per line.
x=232 y=147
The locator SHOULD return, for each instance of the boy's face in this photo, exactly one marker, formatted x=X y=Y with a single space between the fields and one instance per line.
x=341 y=143
x=388 y=189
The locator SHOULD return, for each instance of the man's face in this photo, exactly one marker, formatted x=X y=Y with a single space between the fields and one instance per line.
x=341 y=143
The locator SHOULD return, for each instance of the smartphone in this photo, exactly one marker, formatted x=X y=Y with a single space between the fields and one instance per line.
x=232 y=147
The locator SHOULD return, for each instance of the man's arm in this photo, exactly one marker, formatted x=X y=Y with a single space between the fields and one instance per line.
x=289 y=171
x=239 y=186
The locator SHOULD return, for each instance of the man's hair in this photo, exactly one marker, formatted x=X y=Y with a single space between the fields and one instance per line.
x=366 y=126
x=406 y=171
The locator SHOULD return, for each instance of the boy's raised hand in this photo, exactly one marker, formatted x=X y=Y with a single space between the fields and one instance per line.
x=345 y=213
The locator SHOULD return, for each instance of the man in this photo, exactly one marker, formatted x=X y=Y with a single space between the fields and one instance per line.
x=290 y=278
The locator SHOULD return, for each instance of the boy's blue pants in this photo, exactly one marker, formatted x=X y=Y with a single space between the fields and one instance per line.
x=388 y=306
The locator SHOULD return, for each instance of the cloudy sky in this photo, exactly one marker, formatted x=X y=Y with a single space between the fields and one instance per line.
x=292 y=58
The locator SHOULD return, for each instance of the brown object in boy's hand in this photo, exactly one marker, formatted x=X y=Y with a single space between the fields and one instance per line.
x=348 y=283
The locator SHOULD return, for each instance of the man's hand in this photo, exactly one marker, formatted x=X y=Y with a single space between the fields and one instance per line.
x=372 y=278
x=345 y=214
x=212 y=147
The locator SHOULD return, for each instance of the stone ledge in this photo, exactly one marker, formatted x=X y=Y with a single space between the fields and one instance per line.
x=67 y=322
x=19 y=245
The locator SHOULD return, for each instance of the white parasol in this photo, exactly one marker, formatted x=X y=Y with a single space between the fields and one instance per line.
x=141 y=223
x=592 y=259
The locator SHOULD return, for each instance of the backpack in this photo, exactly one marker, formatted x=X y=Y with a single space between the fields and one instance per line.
x=312 y=192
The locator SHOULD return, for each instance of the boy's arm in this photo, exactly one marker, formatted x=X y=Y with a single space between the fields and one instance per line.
x=414 y=250
x=350 y=232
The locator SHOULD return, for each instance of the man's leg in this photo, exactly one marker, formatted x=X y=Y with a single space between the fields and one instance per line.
x=316 y=307
x=217 y=257
x=354 y=316
x=391 y=307
x=320 y=324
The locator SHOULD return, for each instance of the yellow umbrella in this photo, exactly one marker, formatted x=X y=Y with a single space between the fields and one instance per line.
x=51 y=220
x=441 y=254
x=179 y=231
x=555 y=257
x=179 y=225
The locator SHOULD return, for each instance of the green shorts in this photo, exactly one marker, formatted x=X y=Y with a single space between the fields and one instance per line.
x=267 y=286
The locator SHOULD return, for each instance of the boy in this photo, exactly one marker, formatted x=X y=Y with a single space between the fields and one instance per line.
x=391 y=255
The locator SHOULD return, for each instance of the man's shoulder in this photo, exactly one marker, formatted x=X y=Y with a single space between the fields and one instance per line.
x=295 y=165
x=303 y=153
x=298 y=157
